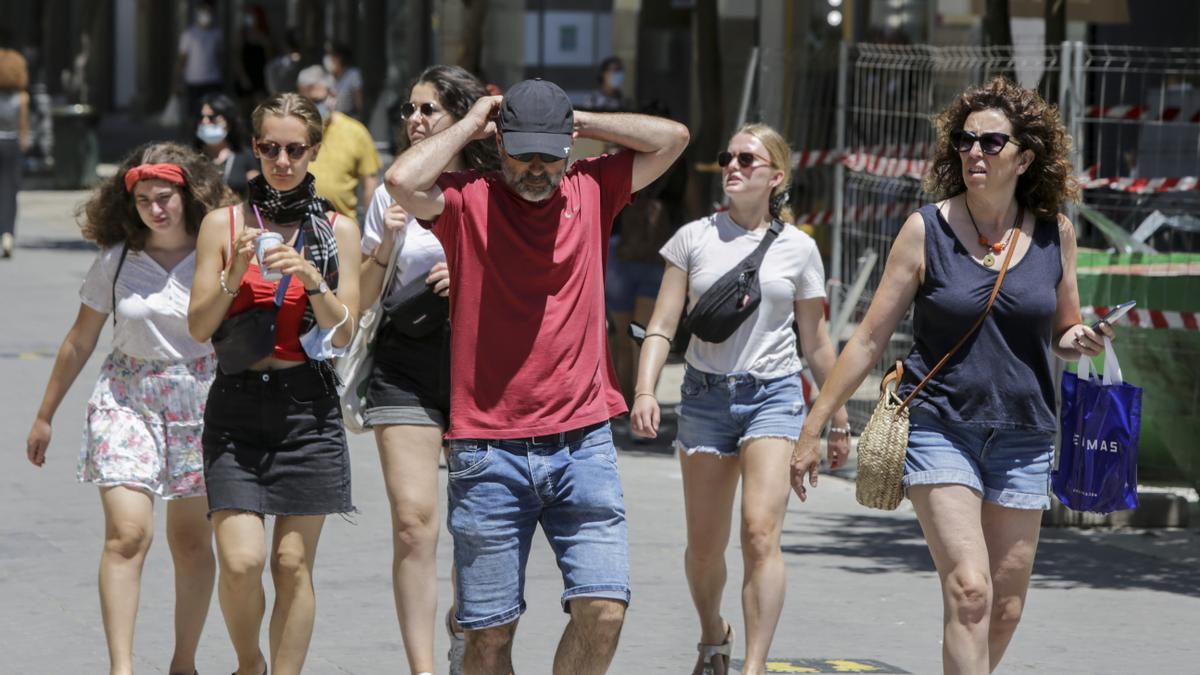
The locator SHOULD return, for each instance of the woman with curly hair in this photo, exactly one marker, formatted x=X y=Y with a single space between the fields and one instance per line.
x=977 y=470
x=408 y=395
x=142 y=435
x=279 y=299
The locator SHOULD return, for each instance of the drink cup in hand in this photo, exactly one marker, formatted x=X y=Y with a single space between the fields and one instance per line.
x=267 y=241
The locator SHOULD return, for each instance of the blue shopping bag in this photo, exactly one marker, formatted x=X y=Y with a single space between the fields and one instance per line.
x=1101 y=420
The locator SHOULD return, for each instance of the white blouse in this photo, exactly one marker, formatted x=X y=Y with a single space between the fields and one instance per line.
x=152 y=304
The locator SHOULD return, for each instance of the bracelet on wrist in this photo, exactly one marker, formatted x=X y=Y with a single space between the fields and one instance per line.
x=650 y=335
x=845 y=431
x=225 y=289
x=645 y=393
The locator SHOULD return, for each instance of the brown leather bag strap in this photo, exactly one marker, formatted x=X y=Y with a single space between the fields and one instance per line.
x=1012 y=247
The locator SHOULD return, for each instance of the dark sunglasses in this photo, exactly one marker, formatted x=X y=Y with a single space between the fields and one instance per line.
x=270 y=149
x=991 y=143
x=744 y=159
x=530 y=156
x=407 y=110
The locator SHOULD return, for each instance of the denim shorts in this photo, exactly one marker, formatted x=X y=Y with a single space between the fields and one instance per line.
x=499 y=490
x=718 y=413
x=1009 y=467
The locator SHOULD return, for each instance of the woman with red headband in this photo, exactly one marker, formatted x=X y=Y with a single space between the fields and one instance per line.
x=142 y=436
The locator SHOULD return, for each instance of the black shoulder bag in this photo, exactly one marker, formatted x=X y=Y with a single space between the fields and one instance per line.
x=245 y=339
x=120 y=264
x=733 y=297
x=415 y=310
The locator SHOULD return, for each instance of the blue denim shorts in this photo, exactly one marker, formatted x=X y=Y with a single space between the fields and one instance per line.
x=1009 y=467
x=718 y=413
x=498 y=493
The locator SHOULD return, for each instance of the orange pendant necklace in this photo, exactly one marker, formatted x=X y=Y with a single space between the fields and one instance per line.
x=993 y=250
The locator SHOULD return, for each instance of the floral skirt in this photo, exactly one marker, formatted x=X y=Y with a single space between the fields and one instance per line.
x=144 y=423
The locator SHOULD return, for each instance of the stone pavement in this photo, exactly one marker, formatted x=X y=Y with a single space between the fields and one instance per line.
x=861 y=587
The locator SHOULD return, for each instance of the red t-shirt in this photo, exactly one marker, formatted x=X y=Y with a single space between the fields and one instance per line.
x=529 y=345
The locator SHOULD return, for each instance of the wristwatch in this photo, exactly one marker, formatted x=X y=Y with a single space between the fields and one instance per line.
x=319 y=290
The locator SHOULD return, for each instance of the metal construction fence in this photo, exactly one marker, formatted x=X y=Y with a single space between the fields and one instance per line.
x=1134 y=116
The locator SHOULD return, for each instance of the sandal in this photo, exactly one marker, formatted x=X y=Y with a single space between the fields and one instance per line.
x=704 y=665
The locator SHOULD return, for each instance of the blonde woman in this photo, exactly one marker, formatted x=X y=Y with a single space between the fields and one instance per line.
x=743 y=402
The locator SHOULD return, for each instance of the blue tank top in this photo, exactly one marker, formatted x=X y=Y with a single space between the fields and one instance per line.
x=1002 y=377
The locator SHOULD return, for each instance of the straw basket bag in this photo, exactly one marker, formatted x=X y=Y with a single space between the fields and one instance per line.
x=884 y=441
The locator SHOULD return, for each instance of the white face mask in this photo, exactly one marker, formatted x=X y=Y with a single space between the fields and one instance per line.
x=328 y=63
x=615 y=78
x=211 y=134
x=203 y=18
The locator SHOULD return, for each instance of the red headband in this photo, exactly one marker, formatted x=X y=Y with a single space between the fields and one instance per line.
x=172 y=173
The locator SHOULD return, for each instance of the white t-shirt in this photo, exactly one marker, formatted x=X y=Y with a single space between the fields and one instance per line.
x=152 y=305
x=202 y=47
x=419 y=249
x=350 y=81
x=764 y=345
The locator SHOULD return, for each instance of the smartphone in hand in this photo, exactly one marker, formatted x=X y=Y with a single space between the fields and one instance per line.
x=1114 y=314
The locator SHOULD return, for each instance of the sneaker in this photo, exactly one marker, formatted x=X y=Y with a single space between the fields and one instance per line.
x=6 y=244
x=458 y=645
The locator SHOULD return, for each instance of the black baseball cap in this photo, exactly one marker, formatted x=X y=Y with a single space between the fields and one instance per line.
x=536 y=116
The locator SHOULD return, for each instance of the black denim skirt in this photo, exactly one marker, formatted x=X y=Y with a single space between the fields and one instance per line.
x=274 y=443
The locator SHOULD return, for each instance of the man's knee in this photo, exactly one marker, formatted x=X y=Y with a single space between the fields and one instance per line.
x=601 y=618
x=491 y=641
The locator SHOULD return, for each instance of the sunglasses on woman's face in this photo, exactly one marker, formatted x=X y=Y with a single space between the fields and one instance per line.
x=991 y=142
x=530 y=156
x=744 y=159
x=409 y=109
x=270 y=149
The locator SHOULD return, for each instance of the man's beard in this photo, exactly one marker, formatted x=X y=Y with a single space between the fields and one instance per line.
x=532 y=187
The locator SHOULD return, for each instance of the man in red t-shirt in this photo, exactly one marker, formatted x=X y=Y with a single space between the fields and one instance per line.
x=532 y=385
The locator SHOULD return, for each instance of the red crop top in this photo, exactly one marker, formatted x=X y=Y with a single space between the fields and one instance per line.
x=254 y=292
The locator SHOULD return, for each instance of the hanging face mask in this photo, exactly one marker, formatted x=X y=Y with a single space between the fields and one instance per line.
x=616 y=78
x=211 y=134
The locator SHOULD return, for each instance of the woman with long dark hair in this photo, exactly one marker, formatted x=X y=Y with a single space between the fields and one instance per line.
x=142 y=436
x=279 y=302
x=981 y=435
x=220 y=136
x=408 y=396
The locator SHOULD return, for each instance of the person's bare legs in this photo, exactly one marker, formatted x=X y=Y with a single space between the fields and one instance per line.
x=242 y=553
x=189 y=536
x=408 y=455
x=128 y=531
x=765 y=490
x=293 y=552
x=489 y=651
x=950 y=517
x=590 y=638
x=1012 y=539
x=709 y=485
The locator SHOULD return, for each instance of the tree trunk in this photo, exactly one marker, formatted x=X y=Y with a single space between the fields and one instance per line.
x=706 y=45
x=1056 y=34
x=474 y=15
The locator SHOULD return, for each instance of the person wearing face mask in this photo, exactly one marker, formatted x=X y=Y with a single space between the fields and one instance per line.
x=219 y=135
x=198 y=70
x=742 y=398
x=608 y=97
x=347 y=168
x=532 y=383
x=348 y=81
x=142 y=433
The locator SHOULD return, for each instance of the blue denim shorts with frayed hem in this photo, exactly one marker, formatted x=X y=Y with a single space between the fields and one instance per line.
x=1009 y=467
x=718 y=413
x=500 y=490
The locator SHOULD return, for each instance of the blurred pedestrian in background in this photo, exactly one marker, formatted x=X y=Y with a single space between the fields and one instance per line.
x=282 y=70
x=347 y=168
x=408 y=395
x=220 y=136
x=142 y=434
x=608 y=97
x=14 y=136
x=199 y=67
x=256 y=54
x=348 y=81
x=273 y=440
x=742 y=399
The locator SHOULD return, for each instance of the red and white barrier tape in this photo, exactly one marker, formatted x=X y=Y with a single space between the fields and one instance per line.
x=1153 y=318
x=1138 y=112
x=857 y=213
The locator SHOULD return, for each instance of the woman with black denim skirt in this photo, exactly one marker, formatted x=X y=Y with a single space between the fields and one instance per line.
x=273 y=439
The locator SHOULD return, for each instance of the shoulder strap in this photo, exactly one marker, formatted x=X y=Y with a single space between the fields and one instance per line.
x=120 y=264
x=229 y=261
x=758 y=254
x=1012 y=247
x=287 y=278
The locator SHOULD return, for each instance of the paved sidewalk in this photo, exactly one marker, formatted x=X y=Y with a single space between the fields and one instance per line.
x=861 y=587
